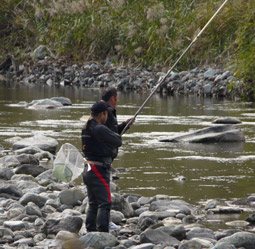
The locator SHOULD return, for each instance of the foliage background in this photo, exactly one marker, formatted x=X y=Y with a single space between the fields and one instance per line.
x=135 y=32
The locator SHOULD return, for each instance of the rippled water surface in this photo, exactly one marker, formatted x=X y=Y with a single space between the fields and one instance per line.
x=152 y=167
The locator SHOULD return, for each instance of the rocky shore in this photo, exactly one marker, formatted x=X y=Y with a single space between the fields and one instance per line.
x=208 y=81
x=37 y=211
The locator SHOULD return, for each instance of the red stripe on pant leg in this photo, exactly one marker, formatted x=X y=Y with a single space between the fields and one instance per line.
x=95 y=170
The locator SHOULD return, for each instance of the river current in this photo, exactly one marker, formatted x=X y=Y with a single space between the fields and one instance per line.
x=193 y=172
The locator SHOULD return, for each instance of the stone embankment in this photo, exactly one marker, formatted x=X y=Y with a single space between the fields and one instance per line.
x=37 y=211
x=45 y=71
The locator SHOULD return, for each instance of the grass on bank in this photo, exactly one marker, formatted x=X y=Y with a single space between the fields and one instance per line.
x=134 y=32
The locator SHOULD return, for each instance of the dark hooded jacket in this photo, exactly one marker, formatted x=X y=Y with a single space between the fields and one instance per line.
x=99 y=143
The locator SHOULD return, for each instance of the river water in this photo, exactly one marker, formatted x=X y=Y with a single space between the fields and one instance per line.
x=152 y=167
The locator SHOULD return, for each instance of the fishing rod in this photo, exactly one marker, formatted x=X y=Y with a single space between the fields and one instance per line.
x=162 y=79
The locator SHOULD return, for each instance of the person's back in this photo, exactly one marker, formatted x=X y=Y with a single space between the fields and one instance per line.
x=99 y=143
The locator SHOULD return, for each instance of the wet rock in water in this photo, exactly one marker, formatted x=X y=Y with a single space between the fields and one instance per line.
x=226 y=210
x=210 y=204
x=214 y=134
x=251 y=219
x=40 y=141
x=12 y=140
x=227 y=121
x=44 y=104
x=64 y=101
x=237 y=223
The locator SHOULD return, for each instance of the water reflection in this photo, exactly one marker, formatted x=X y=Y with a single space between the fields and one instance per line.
x=152 y=167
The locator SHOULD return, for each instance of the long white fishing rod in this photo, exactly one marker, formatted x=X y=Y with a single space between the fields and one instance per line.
x=162 y=79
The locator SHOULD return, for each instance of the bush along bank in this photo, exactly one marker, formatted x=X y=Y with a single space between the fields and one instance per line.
x=37 y=211
x=208 y=81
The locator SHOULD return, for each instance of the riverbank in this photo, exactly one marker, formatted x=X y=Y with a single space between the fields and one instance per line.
x=208 y=81
x=38 y=211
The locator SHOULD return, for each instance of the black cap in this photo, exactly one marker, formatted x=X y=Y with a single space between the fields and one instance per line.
x=99 y=107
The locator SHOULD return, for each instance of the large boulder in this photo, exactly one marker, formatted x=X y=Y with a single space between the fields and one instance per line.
x=44 y=104
x=98 y=240
x=29 y=169
x=241 y=239
x=227 y=120
x=71 y=196
x=158 y=237
x=51 y=103
x=9 y=162
x=214 y=134
x=64 y=101
x=10 y=190
x=40 y=141
x=119 y=203
x=70 y=223
x=177 y=206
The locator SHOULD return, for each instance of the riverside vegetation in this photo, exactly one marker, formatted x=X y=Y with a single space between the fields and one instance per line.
x=138 y=33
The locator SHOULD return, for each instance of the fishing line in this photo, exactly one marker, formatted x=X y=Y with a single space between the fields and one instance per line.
x=162 y=79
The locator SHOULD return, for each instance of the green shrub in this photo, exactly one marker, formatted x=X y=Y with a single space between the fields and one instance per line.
x=136 y=32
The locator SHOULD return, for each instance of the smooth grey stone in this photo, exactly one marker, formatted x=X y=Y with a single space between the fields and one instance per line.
x=29 y=169
x=98 y=240
x=200 y=233
x=9 y=162
x=227 y=120
x=71 y=196
x=28 y=150
x=144 y=246
x=178 y=232
x=119 y=203
x=158 y=237
x=214 y=134
x=240 y=239
x=177 y=206
x=6 y=173
x=10 y=189
x=116 y=216
x=15 y=225
x=224 y=246
x=43 y=142
x=35 y=198
x=32 y=209
x=64 y=101
x=70 y=223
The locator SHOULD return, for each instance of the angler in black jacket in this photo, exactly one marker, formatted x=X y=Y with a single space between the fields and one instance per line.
x=99 y=145
x=111 y=98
